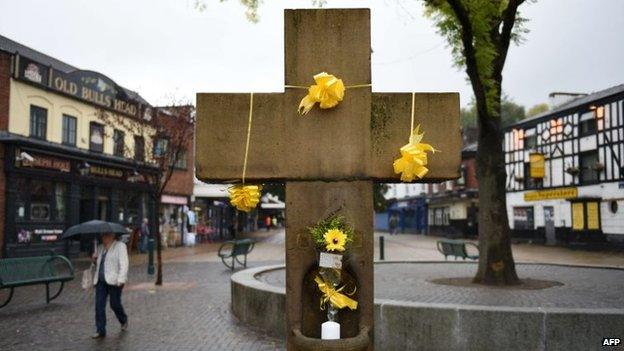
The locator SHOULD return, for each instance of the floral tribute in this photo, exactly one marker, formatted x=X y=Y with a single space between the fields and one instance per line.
x=332 y=238
x=328 y=92
x=413 y=161
x=245 y=197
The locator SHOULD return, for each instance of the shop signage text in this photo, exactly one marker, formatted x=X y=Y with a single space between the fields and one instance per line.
x=551 y=194
x=88 y=86
x=41 y=161
x=106 y=172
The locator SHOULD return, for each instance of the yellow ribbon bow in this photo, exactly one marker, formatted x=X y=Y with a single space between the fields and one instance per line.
x=335 y=297
x=245 y=197
x=328 y=92
x=413 y=158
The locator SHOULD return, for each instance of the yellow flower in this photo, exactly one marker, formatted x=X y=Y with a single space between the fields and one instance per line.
x=335 y=240
x=413 y=158
x=245 y=197
x=328 y=92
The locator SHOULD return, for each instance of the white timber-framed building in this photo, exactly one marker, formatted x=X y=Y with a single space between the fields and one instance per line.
x=565 y=171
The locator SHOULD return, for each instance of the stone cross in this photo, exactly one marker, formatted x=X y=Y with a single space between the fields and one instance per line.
x=328 y=159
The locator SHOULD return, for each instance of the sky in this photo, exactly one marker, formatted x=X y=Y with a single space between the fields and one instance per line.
x=167 y=50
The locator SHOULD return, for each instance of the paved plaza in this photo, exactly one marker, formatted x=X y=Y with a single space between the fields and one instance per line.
x=192 y=310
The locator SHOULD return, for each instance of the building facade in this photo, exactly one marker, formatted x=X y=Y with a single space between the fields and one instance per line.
x=565 y=175
x=453 y=205
x=64 y=162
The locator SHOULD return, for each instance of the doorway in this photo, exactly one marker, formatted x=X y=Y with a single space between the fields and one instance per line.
x=549 y=225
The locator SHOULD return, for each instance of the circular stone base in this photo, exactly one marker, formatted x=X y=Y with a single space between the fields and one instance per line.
x=525 y=284
x=413 y=312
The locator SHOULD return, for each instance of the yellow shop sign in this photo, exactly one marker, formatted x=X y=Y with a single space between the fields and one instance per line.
x=551 y=194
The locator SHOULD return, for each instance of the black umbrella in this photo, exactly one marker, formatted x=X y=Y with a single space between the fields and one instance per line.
x=92 y=229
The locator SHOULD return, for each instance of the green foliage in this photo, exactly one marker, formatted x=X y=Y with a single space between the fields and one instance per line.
x=379 y=200
x=537 y=109
x=485 y=24
x=510 y=113
x=332 y=222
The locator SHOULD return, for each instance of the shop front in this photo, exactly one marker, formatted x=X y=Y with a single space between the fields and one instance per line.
x=50 y=187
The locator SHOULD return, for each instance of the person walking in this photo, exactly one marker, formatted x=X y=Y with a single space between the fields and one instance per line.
x=111 y=274
x=144 y=234
x=393 y=222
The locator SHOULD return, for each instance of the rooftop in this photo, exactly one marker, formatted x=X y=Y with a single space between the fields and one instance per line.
x=14 y=47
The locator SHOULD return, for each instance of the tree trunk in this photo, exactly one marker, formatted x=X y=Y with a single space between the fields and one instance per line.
x=159 y=275
x=496 y=264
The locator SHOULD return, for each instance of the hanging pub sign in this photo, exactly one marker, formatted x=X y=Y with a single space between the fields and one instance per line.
x=536 y=165
x=92 y=87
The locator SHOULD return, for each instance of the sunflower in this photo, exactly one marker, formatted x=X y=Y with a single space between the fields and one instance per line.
x=335 y=240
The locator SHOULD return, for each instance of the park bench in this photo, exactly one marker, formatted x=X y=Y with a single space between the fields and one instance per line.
x=23 y=271
x=234 y=248
x=456 y=248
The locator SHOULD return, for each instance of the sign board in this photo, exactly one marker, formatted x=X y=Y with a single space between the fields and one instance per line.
x=92 y=87
x=47 y=162
x=551 y=194
x=536 y=165
x=578 y=216
x=593 y=219
x=106 y=171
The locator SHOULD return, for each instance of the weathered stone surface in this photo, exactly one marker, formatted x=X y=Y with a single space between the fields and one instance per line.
x=564 y=327
x=357 y=140
x=306 y=203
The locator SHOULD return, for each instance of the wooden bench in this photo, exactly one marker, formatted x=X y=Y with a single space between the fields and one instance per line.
x=23 y=271
x=456 y=248
x=234 y=248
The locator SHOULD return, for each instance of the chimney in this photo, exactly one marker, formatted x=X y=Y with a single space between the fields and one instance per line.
x=559 y=98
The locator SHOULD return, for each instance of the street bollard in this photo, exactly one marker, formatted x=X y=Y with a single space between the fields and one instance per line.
x=150 y=251
x=381 y=248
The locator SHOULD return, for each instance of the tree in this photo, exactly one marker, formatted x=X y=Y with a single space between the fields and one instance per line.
x=537 y=109
x=510 y=113
x=479 y=33
x=167 y=138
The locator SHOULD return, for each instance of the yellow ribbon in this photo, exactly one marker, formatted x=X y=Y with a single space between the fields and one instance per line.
x=413 y=161
x=328 y=92
x=335 y=297
x=246 y=197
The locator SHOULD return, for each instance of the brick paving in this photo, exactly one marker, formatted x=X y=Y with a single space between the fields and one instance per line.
x=582 y=287
x=193 y=314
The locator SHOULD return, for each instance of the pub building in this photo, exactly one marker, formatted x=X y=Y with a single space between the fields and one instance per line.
x=63 y=162
x=565 y=171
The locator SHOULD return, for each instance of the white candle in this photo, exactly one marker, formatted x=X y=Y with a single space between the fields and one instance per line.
x=330 y=330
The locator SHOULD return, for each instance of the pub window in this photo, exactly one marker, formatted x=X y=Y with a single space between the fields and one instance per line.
x=139 y=148
x=587 y=127
x=529 y=183
x=160 y=147
x=523 y=218
x=96 y=137
x=586 y=215
x=118 y=142
x=38 y=122
x=180 y=162
x=530 y=141
x=588 y=162
x=69 y=130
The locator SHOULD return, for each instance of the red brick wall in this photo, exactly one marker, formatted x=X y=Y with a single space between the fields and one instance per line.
x=5 y=84
x=470 y=165
x=181 y=182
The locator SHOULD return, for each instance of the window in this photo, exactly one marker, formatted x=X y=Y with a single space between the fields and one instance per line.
x=96 y=137
x=118 y=143
x=38 y=122
x=139 y=148
x=586 y=215
x=587 y=127
x=160 y=147
x=69 y=130
x=530 y=142
x=181 y=161
x=529 y=183
x=587 y=162
x=523 y=218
